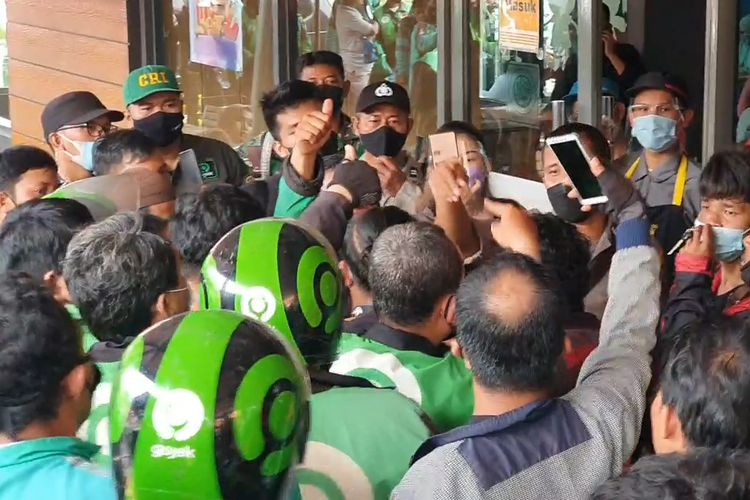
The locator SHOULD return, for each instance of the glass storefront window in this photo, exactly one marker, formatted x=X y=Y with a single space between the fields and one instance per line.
x=519 y=72
x=378 y=40
x=221 y=51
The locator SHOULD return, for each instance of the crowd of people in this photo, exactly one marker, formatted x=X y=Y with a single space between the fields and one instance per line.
x=335 y=318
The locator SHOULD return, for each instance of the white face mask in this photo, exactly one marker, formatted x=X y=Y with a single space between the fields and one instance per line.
x=85 y=156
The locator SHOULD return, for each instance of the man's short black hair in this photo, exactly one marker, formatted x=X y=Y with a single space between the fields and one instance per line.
x=512 y=345
x=596 y=140
x=565 y=252
x=322 y=57
x=461 y=127
x=34 y=237
x=39 y=345
x=706 y=380
x=412 y=266
x=702 y=474
x=120 y=147
x=361 y=233
x=288 y=95
x=726 y=176
x=202 y=219
x=17 y=160
x=115 y=272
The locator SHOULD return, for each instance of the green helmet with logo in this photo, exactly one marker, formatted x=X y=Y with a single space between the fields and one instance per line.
x=283 y=273
x=209 y=405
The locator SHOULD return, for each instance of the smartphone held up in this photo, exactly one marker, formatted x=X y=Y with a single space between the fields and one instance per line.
x=574 y=159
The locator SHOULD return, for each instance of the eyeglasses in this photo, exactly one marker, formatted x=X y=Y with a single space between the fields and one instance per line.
x=656 y=109
x=94 y=129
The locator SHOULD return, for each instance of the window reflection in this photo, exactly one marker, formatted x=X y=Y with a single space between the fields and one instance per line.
x=221 y=51
x=517 y=86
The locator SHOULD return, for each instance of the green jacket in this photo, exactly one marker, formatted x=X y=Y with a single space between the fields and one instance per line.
x=430 y=376
x=360 y=443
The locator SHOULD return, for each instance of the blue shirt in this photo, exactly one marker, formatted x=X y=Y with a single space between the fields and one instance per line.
x=53 y=469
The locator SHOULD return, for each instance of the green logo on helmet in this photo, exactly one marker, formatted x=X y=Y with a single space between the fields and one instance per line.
x=208 y=405
x=284 y=274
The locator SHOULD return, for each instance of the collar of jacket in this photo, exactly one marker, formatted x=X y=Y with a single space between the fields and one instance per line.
x=404 y=341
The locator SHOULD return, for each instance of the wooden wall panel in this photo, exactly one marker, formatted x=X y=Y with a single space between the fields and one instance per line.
x=101 y=60
x=26 y=117
x=57 y=46
x=41 y=84
x=105 y=19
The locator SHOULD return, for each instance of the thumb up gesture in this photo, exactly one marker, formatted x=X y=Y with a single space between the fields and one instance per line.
x=314 y=130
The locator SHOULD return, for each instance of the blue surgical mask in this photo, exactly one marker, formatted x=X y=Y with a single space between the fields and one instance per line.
x=728 y=246
x=85 y=156
x=655 y=132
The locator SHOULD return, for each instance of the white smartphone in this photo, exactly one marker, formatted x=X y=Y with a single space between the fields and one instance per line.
x=574 y=159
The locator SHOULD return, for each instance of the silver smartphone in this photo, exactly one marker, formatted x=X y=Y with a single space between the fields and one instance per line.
x=575 y=161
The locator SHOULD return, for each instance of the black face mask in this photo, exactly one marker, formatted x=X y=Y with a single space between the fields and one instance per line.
x=336 y=94
x=567 y=209
x=383 y=142
x=162 y=128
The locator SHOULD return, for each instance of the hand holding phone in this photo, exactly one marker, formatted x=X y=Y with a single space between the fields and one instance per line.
x=576 y=162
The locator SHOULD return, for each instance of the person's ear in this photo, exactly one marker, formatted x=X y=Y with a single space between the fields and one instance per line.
x=411 y=126
x=666 y=428
x=55 y=141
x=355 y=124
x=280 y=150
x=448 y=308
x=631 y=120
x=346 y=274
x=170 y=304
x=687 y=118
x=346 y=87
x=56 y=284
x=76 y=382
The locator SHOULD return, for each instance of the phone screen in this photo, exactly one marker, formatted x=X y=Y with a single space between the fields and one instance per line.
x=577 y=167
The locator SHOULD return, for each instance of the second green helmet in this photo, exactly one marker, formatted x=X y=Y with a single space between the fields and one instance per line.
x=210 y=405
x=283 y=273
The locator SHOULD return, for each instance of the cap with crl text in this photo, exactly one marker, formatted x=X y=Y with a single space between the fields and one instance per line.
x=384 y=93
x=148 y=80
x=75 y=108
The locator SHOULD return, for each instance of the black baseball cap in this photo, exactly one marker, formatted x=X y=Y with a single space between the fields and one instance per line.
x=384 y=93
x=661 y=81
x=75 y=108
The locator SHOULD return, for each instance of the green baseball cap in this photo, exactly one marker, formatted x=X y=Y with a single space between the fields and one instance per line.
x=148 y=80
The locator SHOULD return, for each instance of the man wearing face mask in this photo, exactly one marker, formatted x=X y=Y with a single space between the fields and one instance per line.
x=659 y=114
x=701 y=288
x=596 y=225
x=154 y=102
x=265 y=156
x=72 y=123
x=383 y=122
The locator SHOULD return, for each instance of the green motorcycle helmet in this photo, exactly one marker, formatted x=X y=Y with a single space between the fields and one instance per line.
x=209 y=405
x=283 y=273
